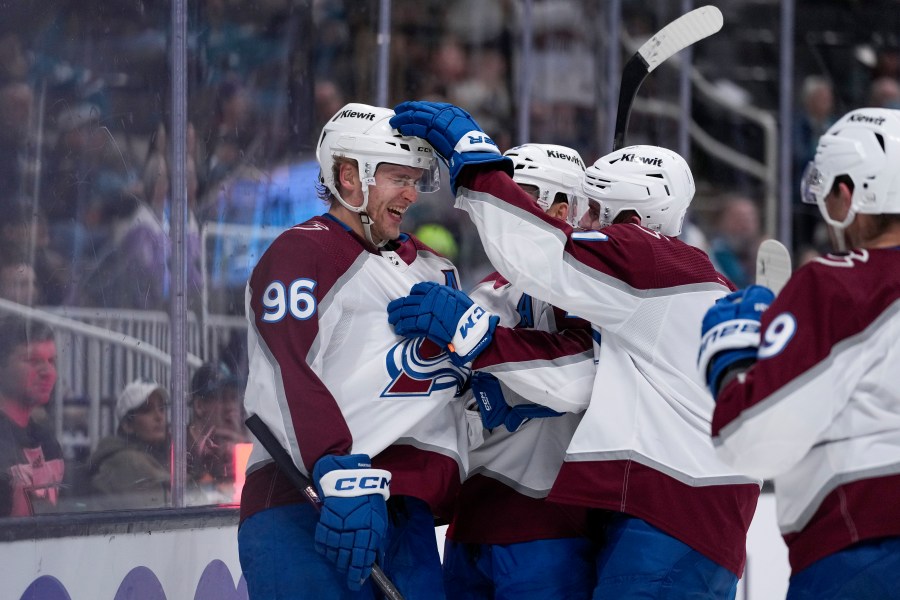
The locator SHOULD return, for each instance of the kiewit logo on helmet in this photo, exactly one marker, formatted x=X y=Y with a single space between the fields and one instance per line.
x=653 y=162
x=857 y=117
x=570 y=158
x=370 y=116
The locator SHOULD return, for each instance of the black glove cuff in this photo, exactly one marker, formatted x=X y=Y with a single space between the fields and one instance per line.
x=732 y=371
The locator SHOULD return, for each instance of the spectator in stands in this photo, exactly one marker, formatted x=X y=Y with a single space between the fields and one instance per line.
x=136 y=271
x=816 y=115
x=131 y=468
x=216 y=425
x=18 y=281
x=486 y=92
x=884 y=92
x=232 y=131
x=329 y=99
x=85 y=169
x=14 y=61
x=17 y=162
x=565 y=64
x=448 y=69
x=887 y=59
x=24 y=231
x=736 y=239
x=31 y=460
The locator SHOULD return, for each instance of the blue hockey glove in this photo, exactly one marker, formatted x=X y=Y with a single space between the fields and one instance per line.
x=353 y=521
x=447 y=317
x=494 y=409
x=730 y=334
x=453 y=132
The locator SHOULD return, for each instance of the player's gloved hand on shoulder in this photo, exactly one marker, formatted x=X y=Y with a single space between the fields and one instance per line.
x=353 y=521
x=494 y=409
x=730 y=334
x=447 y=317
x=453 y=133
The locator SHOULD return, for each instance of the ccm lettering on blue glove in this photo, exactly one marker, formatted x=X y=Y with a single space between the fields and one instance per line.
x=453 y=132
x=730 y=334
x=447 y=317
x=494 y=409
x=353 y=521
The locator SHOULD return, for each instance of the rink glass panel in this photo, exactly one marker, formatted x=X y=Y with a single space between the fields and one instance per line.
x=88 y=123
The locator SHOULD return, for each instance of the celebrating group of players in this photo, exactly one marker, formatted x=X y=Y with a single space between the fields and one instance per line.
x=593 y=420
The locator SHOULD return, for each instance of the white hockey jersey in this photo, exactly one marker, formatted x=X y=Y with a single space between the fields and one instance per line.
x=820 y=410
x=328 y=375
x=502 y=500
x=643 y=446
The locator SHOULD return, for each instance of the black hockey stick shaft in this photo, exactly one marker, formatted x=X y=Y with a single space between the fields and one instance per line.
x=286 y=465
x=633 y=76
x=677 y=35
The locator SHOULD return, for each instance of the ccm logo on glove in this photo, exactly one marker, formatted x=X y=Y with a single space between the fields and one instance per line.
x=347 y=483
x=740 y=328
x=485 y=402
x=474 y=314
x=476 y=141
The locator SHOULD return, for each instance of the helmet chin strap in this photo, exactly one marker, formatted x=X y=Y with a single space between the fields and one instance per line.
x=839 y=237
x=360 y=210
x=367 y=228
x=838 y=228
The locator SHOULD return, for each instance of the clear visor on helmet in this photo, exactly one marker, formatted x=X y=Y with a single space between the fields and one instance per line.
x=584 y=213
x=424 y=176
x=814 y=189
x=812 y=185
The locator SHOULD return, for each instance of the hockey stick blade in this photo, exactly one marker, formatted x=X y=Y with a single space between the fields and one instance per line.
x=773 y=265
x=687 y=29
x=284 y=463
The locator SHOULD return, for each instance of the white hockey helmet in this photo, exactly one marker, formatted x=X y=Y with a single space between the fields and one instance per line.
x=363 y=133
x=864 y=145
x=551 y=169
x=654 y=182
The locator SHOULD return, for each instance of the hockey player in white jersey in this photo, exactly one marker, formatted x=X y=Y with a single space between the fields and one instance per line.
x=368 y=415
x=678 y=515
x=814 y=401
x=505 y=541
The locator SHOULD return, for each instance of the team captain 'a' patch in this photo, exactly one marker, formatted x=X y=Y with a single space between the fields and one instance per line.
x=418 y=367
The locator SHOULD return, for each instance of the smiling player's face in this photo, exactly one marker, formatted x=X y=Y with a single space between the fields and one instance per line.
x=393 y=193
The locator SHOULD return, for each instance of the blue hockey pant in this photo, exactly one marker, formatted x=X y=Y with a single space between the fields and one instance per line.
x=554 y=569
x=280 y=562
x=866 y=571
x=640 y=562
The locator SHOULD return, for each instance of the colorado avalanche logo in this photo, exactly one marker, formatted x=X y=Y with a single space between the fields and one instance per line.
x=418 y=367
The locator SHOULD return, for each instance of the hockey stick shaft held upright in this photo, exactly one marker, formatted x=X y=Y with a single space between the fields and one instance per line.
x=687 y=29
x=286 y=465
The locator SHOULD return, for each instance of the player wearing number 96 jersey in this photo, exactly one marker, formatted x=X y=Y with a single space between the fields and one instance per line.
x=819 y=411
x=369 y=416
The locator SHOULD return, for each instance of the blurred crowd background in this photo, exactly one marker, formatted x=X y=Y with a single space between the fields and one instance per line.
x=86 y=133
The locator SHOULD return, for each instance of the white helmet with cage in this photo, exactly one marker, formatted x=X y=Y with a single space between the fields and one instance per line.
x=863 y=145
x=551 y=169
x=363 y=133
x=654 y=182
